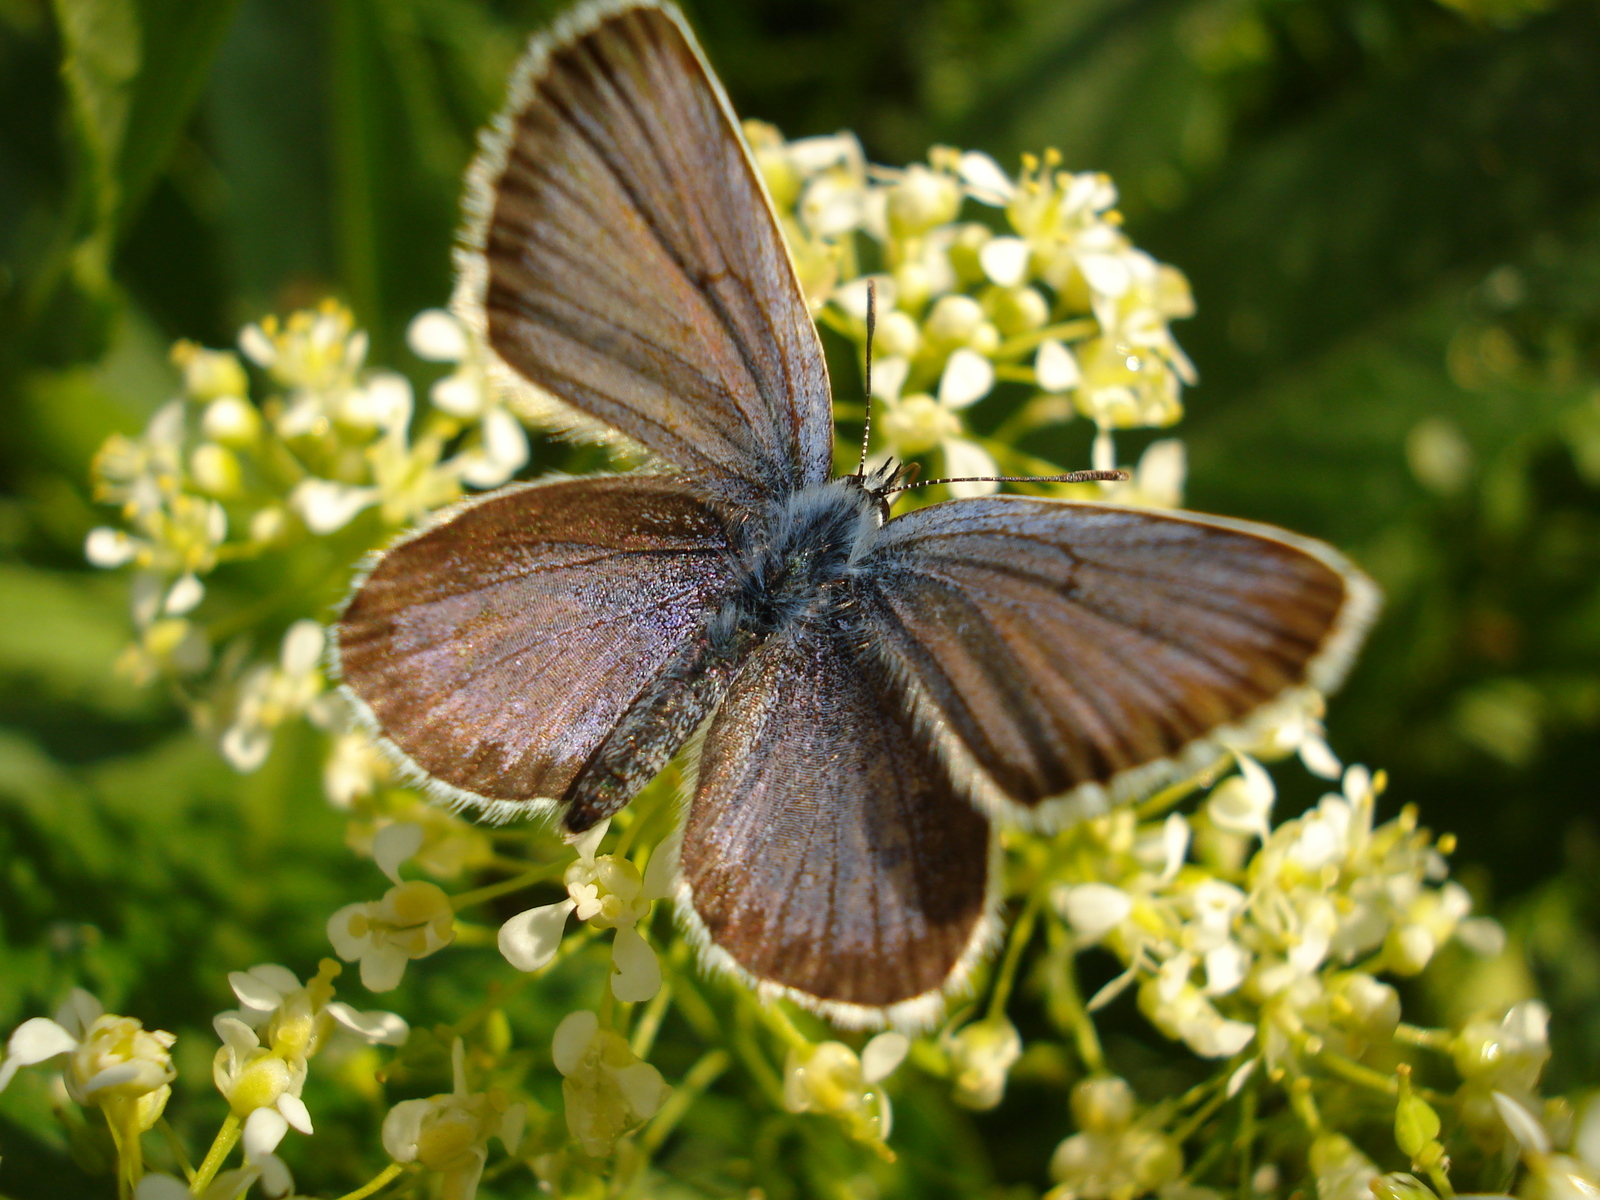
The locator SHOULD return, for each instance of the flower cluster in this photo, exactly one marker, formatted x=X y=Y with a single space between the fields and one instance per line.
x=1057 y=298
x=1278 y=943
x=829 y=1077
x=1268 y=950
x=449 y=1135
x=111 y=1062
x=220 y=477
x=1113 y=1156
x=607 y=1088
x=608 y=892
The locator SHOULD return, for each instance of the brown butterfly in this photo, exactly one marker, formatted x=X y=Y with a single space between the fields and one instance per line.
x=863 y=696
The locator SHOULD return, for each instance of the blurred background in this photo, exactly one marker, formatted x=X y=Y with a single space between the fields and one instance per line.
x=1389 y=211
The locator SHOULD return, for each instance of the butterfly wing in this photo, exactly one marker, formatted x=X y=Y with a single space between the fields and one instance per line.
x=631 y=264
x=496 y=650
x=1068 y=655
x=826 y=854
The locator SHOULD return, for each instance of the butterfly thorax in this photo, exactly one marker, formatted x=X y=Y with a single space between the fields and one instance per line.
x=795 y=564
x=793 y=567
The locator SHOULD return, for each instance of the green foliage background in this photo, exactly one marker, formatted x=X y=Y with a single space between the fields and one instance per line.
x=1389 y=211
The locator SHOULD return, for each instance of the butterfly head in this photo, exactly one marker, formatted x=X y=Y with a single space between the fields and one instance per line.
x=881 y=482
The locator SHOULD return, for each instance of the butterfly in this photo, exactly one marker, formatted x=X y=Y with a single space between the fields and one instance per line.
x=864 y=697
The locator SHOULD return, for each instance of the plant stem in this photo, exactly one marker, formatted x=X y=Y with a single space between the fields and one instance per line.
x=379 y=1180
x=644 y=1033
x=1021 y=933
x=700 y=1077
x=227 y=1137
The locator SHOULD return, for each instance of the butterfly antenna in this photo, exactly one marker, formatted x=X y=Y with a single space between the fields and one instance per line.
x=1072 y=477
x=872 y=326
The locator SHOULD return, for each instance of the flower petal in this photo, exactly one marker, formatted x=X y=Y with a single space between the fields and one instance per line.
x=326 y=506
x=79 y=1011
x=383 y=967
x=530 y=939
x=587 y=842
x=184 y=595
x=968 y=460
x=642 y=1087
x=347 y=945
x=162 y=1187
x=393 y=844
x=255 y=992
x=1174 y=845
x=275 y=1177
x=967 y=378
x=275 y=975
x=384 y=1028
x=38 y=1039
x=235 y=1034
x=436 y=336
x=572 y=1038
x=1524 y=1126
x=1054 y=367
x=662 y=868
x=1005 y=260
x=883 y=1054
x=403 y=1127
x=986 y=182
x=638 y=973
x=1093 y=909
x=295 y=1112
x=263 y=1130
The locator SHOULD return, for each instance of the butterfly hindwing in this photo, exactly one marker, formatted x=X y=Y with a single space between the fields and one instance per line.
x=825 y=851
x=497 y=650
x=1086 y=653
x=632 y=264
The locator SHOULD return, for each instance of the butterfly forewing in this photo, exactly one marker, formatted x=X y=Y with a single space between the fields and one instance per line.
x=826 y=851
x=635 y=269
x=1076 y=650
x=497 y=650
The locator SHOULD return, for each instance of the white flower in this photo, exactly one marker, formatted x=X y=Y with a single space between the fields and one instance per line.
x=1111 y=1156
x=985 y=181
x=1242 y=803
x=326 y=506
x=270 y=695
x=353 y=769
x=981 y=1056
x=828 y=1077
x=268 y=1041
x=1093 y=909
x=318 y=351
x=1180 y=1010
x=607 y=1088
x=500 y=447
x=449 y=1135
x=413 y=920
x=113 y=1063
x=611 y=893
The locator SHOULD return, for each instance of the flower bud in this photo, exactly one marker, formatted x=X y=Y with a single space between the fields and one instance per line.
x=215 y=470
x=1366 y=1006
x=981 y=1056
x=1016 y=310
x=1102 y=1104
x=208 y=374
x=231 y=420
x=1342 y=1172
x=953 y=321
x=921 y=200
x=1400 y=1186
